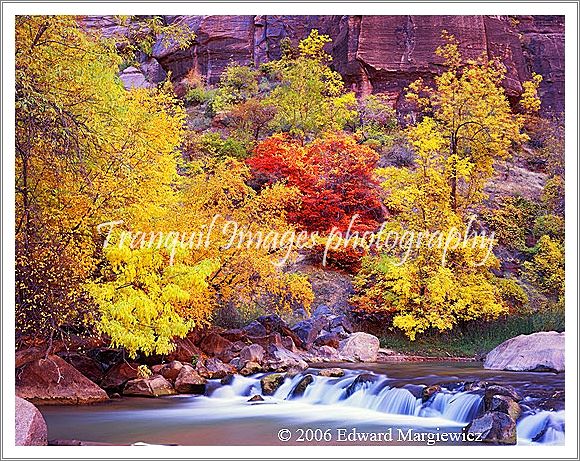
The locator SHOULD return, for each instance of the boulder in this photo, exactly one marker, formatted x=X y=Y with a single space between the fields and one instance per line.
x=215 y=345
x=505 y=405
x=341 y=332
x=255 y=329
x=132 y=77
x=300 y=388
x=272 y=323
x=237 y=346
x=505 y=389
x=270 y=383
x=154 y=386
x=235 y=334
x=360 y=346
x=153 y=71
x=543 y=351
x=328 y=339
x=308 y=330
x=186 y=349
x=429 y=392
x=322 y=311
x=252 y=353
x=30 y=426
x=331 y=372
x=86 y=365
x=327 y=353
x=118 y=375
x=495 y=428
x=188 y=381
x=289 y=344
x=52 y=381
x=171 y=370
x=281 y=359
x=256 y=398
x=340 y=321
x=250 y=368
x=24 y=356
x=265 y=341
x=275 y=325
x=214 y=368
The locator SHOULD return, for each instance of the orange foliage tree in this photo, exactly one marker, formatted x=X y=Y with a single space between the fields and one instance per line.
x=334 y=176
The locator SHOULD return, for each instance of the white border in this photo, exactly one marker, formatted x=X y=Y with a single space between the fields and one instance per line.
x=257 y=452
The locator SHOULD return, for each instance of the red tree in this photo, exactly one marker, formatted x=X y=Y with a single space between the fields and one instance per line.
x=334 y=175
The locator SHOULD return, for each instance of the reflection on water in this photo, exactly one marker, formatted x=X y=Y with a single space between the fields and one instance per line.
x=386 y=399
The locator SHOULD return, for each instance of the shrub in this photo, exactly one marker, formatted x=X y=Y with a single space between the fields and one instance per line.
x=546 y=269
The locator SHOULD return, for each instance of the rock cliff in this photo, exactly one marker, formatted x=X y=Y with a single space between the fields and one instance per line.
x=376 y=53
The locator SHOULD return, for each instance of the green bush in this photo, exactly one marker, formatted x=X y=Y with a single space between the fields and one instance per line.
x=512 y=221
x=198 y=96
x=211 y=144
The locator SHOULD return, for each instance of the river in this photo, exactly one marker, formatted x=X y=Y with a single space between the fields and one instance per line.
x=331 y=410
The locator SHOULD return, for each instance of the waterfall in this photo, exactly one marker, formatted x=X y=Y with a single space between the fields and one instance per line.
x=358 y=391
x=365 y=391
x=542 y=427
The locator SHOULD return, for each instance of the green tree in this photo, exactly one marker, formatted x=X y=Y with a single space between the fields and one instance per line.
x=309 y=98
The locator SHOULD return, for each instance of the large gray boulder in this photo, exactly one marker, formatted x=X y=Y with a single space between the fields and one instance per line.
x=543 y=351
x=281 y=359
x=132 y=77
x=30 y=425
x=360 y=346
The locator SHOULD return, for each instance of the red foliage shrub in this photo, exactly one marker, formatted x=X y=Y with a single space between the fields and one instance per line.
x=334 y=175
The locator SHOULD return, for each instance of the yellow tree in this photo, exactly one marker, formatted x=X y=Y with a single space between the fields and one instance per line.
x=310 y=97
x=437 y=274
x=87 y=151
x=473 y=116
x=219 y=244
x=441 y=275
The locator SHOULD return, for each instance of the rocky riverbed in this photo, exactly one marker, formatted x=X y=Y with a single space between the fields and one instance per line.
x=272 y=360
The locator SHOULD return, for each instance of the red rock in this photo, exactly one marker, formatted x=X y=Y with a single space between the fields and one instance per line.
x=185 y=349
x=189 y=382
x=154 y=386
x=118 y=375
x=29 y=354
x=86 y=365
x=214 y=368
x=52 y=381
x=215 y=345
x=171 y=370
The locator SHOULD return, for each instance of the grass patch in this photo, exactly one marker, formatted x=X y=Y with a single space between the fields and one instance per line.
x=476 y=338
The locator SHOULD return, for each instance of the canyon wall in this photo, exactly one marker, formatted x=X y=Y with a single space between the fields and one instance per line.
x=378 y=53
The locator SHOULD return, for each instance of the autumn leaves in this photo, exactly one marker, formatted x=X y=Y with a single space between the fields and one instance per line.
x=296 y=153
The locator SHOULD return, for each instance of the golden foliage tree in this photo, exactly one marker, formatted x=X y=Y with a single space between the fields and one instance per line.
x=466 y=124
x=310 y=96
x=471 y=119
x=87 y=151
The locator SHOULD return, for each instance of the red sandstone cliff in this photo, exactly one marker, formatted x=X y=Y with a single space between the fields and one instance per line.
x=378 y=53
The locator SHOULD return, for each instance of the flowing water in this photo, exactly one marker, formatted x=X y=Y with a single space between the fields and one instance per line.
x=380 y=399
